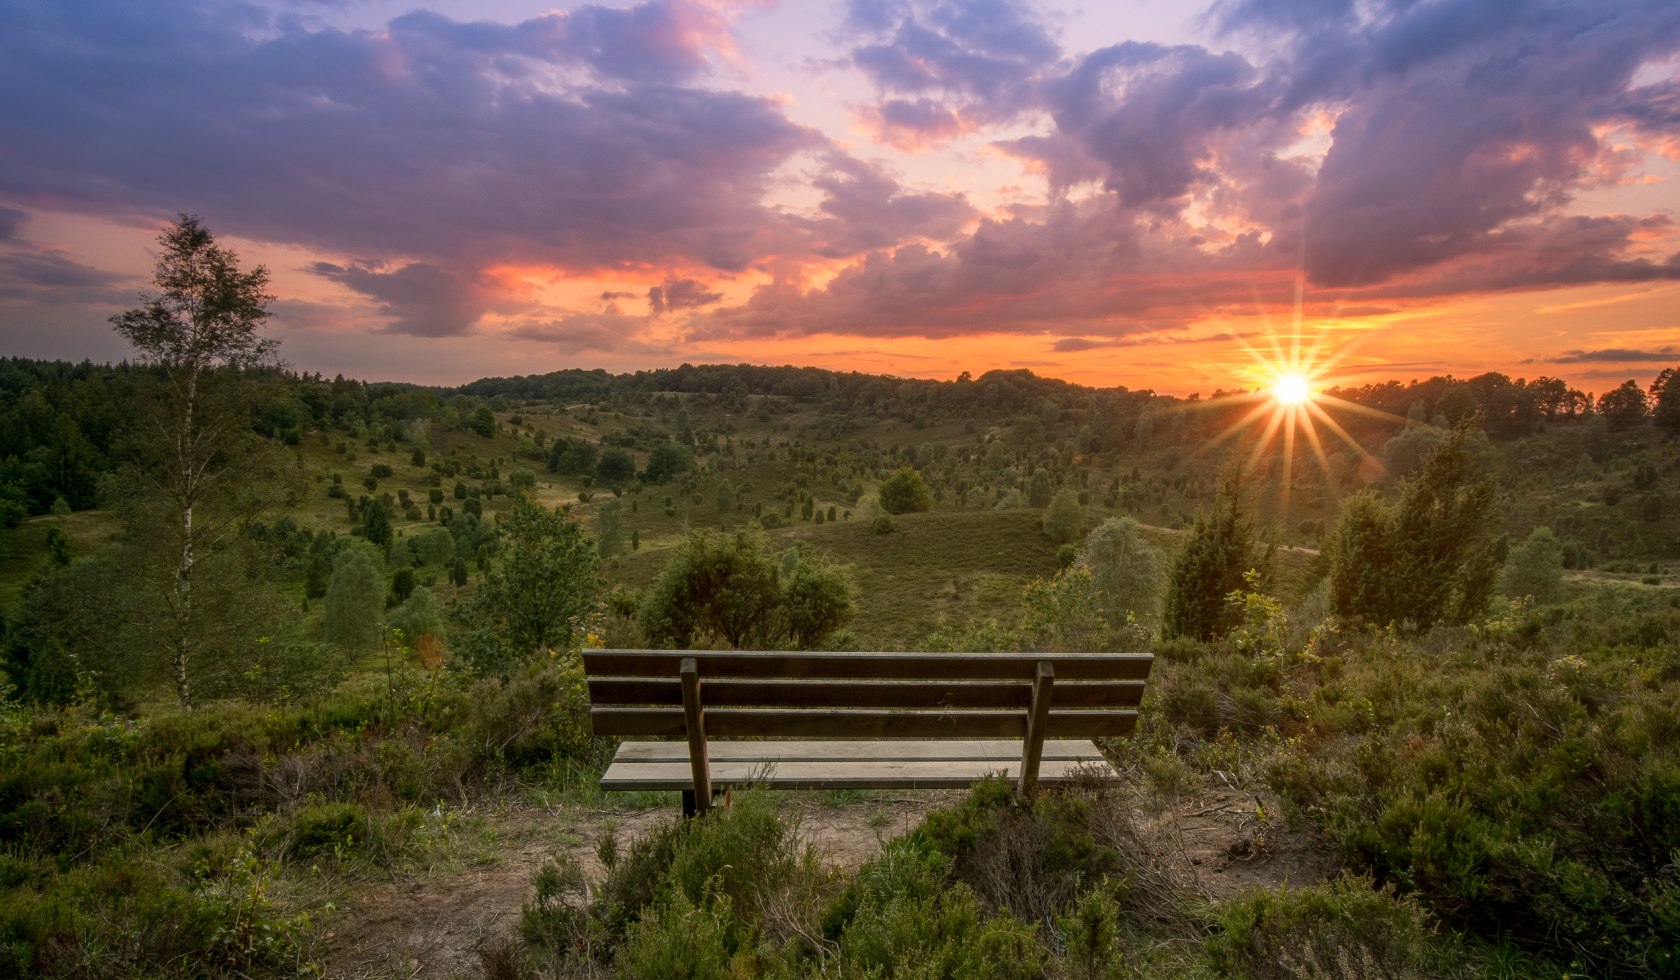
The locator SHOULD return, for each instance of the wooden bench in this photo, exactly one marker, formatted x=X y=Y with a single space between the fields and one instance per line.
x=856 y=720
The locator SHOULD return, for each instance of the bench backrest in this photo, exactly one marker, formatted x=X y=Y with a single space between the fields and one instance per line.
x=867 y=695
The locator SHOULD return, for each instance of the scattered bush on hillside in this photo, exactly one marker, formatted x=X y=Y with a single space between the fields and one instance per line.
x=1125 y=569
x=1064 y=518
x=730 y=587
x=1535 y=568
x=905 y=492
x=536 y=598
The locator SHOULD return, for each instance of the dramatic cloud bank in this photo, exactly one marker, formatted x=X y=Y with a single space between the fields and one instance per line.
x=625 y=180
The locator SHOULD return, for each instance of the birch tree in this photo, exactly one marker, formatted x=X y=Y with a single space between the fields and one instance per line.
x=199 y=331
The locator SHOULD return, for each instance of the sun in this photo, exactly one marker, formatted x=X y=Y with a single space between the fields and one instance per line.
x=1291 y=389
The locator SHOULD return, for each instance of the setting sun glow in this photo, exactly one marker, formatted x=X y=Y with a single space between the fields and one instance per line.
x=1291 y=389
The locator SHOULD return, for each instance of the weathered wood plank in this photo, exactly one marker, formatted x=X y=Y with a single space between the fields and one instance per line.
x=854 y=774
x=843 y=666
x=1000 y=750
x=860 y=723
x=805 y=693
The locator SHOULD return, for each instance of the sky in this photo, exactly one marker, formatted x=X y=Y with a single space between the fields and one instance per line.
x=1141 y=193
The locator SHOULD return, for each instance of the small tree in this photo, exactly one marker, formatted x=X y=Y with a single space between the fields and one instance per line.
x=816 y=598
x=355 y=599
x=667 y=460
x=616 y=466
x=1665 y=401
x=1038 y=489
x=728 y=587
x=609 y=529
x=1624 y=406
x=1065 y=612
x=722 y=585
x=195 y=458
x=538 y=596
x=905 y=492
x=1211 y=565
x=1125 y=570
x=1428 y=558
x=375 y=526
x=1064 y=517
x=1535 y=568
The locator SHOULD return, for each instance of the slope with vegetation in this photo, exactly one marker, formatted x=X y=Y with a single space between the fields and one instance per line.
x=1451 y=661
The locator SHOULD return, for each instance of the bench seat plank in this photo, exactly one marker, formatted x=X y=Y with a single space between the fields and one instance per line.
x=820 y=765
x=995 y=749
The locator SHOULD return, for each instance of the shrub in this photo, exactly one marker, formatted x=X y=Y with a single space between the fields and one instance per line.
x=905 y=492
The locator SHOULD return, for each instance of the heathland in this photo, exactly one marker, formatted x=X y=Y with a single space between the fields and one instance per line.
x=1423 y=664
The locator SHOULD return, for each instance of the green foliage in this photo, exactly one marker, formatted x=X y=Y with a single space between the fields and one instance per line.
x=1064 y=518
x=729 y=587
x=724 y=586
x=616 y=467
x=1517 y=778
x=816 y=597
x=537 y=597
x=667 y=461
x=355 y=599
x=1341 y=929
x=1426 y=559
x=481 y=421
x=419 y=615
x=1624 y=406
x=905 y=492
x=1125 y=569
x=1665 y=401
x=609 y=529
x=1211 y=564
x=1066 y=613
x=1038 y=489
x=1535 y=568
x=375 y=525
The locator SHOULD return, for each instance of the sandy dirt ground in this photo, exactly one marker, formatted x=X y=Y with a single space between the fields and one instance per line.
x=1217 y=843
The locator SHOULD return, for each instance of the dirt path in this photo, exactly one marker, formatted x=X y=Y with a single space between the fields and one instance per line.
x=433 y=927
x=1218 y=843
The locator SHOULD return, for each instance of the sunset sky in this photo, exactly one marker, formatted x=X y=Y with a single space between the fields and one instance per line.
x=1116 y=193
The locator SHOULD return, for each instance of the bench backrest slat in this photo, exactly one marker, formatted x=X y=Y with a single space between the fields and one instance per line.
x=860 y=723
x=857 y=666
x=765 y=692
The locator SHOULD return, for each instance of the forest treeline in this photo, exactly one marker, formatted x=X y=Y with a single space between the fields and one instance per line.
x=62 y=424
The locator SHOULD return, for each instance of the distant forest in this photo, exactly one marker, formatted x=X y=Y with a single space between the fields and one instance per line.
x=60 y=423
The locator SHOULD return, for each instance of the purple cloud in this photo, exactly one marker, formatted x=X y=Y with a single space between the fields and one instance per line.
x=1617 y=355
x=953 y=58
x=450 y=144
x=579 y=333
x=52 y=277
x=11 y=219
x=422 y=300
x=680 y=294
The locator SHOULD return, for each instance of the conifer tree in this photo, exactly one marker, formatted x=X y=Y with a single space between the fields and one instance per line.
x=1429 y=557
x=1210 y=565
